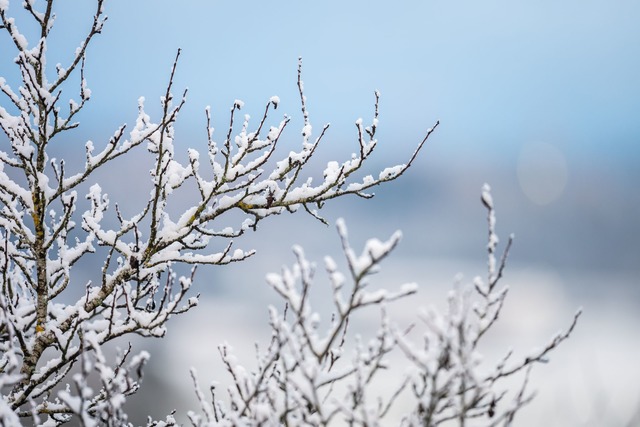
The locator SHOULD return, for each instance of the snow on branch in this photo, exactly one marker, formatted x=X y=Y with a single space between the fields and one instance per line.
x=46 y=232
x=315 y=370
x=323 y=374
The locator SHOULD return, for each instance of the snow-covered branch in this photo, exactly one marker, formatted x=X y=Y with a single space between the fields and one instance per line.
x=45 y=230
x=320 y=375
x=316 y=369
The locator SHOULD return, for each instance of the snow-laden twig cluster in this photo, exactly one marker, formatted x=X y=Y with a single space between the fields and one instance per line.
x=310 y=375
x=44 y=234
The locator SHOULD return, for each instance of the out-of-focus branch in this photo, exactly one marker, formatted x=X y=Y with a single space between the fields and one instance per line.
x=324 y=376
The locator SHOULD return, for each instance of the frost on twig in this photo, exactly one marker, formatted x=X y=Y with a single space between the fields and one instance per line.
x=54 y=216
x=311 y=374
x=305 y=376
x=451 y=381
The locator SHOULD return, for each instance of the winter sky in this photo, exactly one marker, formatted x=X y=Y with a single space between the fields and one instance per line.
x=538 y=98
x=497 y=74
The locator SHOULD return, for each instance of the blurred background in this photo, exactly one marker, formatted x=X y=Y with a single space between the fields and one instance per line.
x=538 y=99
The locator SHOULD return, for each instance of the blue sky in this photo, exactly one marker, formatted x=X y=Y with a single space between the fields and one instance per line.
x=502 y=76
x=506 y=78
x=498 y=74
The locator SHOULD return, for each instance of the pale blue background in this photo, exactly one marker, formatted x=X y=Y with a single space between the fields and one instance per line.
x=494 y=72
x=498 y=74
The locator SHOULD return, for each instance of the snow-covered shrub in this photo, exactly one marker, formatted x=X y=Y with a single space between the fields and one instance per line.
x=310 y=375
